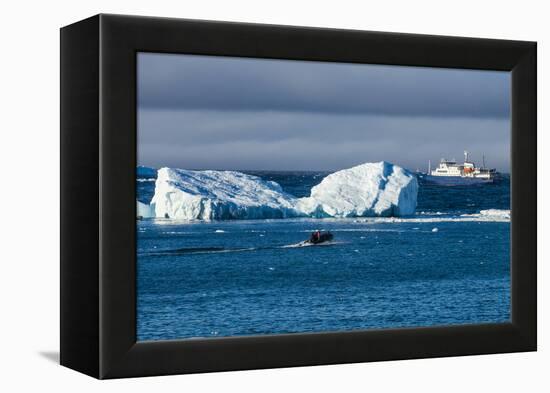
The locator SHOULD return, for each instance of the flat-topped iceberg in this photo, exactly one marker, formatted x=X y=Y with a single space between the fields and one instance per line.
x=219 y=195
x=367 y=190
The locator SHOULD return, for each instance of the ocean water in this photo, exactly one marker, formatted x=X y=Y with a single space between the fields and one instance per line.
x=447 y=265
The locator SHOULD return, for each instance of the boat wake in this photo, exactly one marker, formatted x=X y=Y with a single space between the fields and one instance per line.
x=196 y=250
x=219 y=250
x=306 y=243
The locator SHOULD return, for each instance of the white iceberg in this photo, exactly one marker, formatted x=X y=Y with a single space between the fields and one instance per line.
x=367 y=190
x=219 y=195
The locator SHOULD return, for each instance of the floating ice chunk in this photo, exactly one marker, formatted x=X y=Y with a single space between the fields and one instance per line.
x=368 y=190
x=143 y=210
x=497 y=213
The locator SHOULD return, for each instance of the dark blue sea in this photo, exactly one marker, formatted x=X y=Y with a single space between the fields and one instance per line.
x=447 y=265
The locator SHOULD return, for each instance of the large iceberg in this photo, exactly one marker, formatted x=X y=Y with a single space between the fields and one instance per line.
x=367 y=190
x=219 y=195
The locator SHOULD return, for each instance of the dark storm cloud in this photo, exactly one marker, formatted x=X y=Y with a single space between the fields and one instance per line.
x=230 y=113
x=290 y=140
x=224 y=83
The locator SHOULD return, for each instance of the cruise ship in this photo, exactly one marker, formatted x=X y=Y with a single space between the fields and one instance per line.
x=449 y=172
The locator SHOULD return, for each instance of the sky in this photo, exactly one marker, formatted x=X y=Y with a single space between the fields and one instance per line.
x=214 y=112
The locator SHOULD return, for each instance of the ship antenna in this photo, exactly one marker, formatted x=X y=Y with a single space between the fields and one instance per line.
x=429 y=167
x=465 y=156
x=483 y=161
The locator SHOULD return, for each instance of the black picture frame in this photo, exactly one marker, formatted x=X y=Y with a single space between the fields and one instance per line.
x=98 y=230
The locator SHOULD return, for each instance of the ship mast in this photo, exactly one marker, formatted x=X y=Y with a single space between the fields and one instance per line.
x=465 y=156
x=429 y=167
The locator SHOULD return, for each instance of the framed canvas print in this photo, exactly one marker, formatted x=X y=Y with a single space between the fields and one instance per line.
x=239 y=196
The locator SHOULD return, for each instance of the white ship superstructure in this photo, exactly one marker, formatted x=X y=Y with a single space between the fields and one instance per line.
x=467 y=171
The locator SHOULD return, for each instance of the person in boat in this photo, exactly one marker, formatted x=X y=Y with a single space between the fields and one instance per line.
x=320 y=237
x=316 y=236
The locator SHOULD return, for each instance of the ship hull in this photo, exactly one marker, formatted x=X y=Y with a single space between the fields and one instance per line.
x=456 y=180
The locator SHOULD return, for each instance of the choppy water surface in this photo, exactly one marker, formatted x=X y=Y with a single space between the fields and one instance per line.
x=446 y=265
